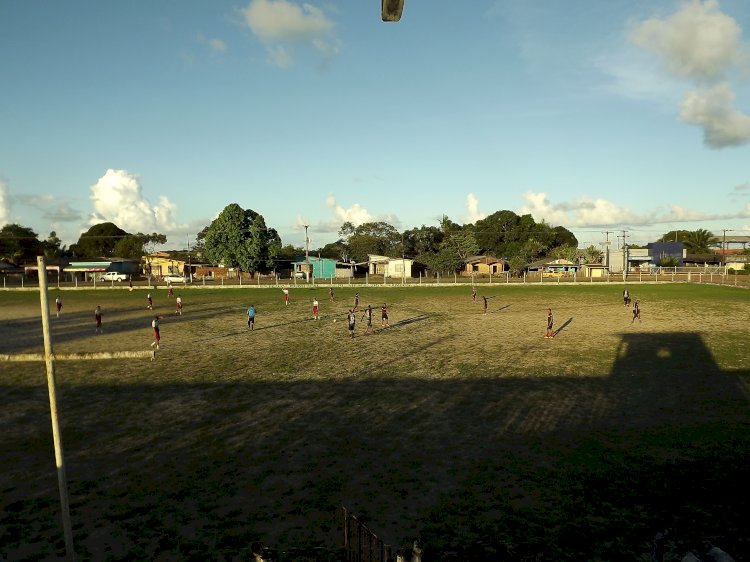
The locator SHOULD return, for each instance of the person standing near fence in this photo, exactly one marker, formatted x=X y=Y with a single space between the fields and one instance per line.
x=286 y=296
x=473 y=294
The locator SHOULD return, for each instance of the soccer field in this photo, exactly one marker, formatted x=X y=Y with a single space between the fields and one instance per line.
x=471 y=431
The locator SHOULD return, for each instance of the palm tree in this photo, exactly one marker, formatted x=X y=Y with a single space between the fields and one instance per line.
x=699 y=241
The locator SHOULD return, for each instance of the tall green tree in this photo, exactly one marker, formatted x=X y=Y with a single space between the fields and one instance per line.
x=592 y=254
x=699 y=241
x=240 y=238
x=378 y=238
x=19 y=243
x=53 y=247
x=134 y=246
x=99 y=241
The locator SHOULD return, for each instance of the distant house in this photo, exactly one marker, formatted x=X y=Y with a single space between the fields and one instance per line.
x=318 y=267
x=661 y=250
x=159 y=264
x=389 y=267
x=560 y=267
x=594 y=270
x=484 y=265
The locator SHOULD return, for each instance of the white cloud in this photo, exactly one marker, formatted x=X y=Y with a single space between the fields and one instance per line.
x=278 y=56
x=356 y=214
x=714 y=111
x=698 y=41
x=54 y=209
x=4 y=202
x=117 y=198
x=281 y=24
x=702 y=44
x=215 y=45
x=472 y=206
x=588 y=212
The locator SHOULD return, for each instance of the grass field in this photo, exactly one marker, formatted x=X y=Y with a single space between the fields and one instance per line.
x=470 y=431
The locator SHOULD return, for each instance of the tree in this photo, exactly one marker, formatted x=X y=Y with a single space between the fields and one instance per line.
x=699 y=241
x=19 y=243
x=674 y=236
x=240 y=238
x=422 y=240
x=378 y=238
x=134 y=246
x=569 y=253
x=53 y=247
x=98 y=241
x=592 y=254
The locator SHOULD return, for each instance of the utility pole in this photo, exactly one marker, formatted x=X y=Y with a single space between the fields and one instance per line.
x=624 y=254
x=606 y=247
x=403 y=261
x=307 y=256
x=724 y=246
x=190 y=262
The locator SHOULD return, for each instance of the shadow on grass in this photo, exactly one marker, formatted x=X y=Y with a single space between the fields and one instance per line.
x=536 y=468
x=563 y=326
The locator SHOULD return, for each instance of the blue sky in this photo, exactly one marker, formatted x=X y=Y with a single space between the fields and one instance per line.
x=592 y=115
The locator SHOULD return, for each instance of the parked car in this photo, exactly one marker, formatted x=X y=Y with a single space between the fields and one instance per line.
x=174 y=278
x=113 y=276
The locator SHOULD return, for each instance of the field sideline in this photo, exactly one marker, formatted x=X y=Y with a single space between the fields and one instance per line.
x=454 y=426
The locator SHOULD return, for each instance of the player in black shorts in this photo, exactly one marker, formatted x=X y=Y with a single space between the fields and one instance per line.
x=550 y=323
x=636 y=311
x=384 y=316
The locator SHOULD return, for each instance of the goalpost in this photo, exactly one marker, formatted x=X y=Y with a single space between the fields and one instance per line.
x=49 y=359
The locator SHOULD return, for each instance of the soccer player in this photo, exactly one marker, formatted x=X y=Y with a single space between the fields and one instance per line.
x=150 y=304
x=330 y=293
x=178 y=305
x=356 y=302
x=367 y=316
x=286 y=296
x=484 y=304
x=625 y=297
x=636 y=311
x=550 y=323
x=384 y=317
x=251 y=317
x=352 y=318
x=98 y=319
x=473 y=294
x=58 y=304
x=157 y=335
x=315 y=309
x=170 y=292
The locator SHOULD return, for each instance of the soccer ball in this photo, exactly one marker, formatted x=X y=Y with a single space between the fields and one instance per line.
x=335 y=319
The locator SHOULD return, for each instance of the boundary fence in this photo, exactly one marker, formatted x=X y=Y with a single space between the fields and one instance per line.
x=715 y=276
x=360 y=543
